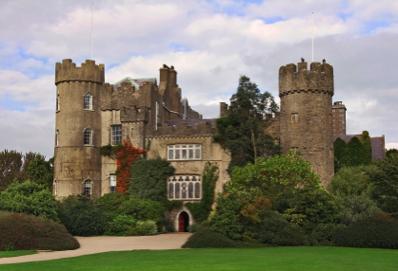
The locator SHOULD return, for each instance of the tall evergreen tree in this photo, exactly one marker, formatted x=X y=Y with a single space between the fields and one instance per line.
x=242 y=129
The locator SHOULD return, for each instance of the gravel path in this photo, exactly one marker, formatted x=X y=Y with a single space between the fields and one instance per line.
x=92 y=245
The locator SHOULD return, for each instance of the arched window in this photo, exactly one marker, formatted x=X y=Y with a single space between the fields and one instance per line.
x=87 y=188
x=88 y=102
x=88 y=136
x=184 y=187
x=57 y=138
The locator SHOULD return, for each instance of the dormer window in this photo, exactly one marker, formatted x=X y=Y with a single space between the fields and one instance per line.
x=88 y=136
x=88 y=102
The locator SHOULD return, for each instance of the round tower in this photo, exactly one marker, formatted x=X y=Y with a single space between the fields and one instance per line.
x=306 y=114
x=77 y=164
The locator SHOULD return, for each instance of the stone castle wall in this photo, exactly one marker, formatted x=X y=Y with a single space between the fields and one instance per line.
x=306 y=114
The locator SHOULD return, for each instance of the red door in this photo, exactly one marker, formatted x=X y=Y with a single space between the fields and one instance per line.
x=183 y=222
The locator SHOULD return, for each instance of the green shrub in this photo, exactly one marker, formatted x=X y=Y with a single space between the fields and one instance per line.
x=121 y=225
x=275 y=230
x=323 y=234
x=30 y=198
x=145 y=227
x=21 y=231
x=142 y=209
x=209 y=239
x=81 y=216
x=110 y=204
x=374 y=232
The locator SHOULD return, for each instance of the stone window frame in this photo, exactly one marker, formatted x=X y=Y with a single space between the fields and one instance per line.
x=88 y=104
x=294 y=117
x=115 y=142
x=184 y=187
x=57 y=104
x=112 y=188
x=88 y=138
x=192 y=151
x=57 y=138
x=87 y=188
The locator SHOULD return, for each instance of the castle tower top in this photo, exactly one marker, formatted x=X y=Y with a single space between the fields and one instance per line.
x=88 y=72
x=298 y=78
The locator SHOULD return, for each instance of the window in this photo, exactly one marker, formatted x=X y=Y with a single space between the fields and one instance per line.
x=184 y=152
x=294 y=117
x=184 y=187
x=57 y=107
x=88 y=102
x=88 y=136
x=116 y=136
x=57 y=138
x=87 y=188
x=112 y=183
x=55 y=187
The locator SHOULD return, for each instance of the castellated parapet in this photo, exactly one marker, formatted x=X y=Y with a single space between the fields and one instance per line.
x=306 y=114
x=88 y=71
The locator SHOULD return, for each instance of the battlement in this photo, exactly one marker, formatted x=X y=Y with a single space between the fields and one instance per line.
x=87 y=72
x=298 y=78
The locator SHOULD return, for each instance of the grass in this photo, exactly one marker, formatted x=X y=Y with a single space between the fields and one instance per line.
x=270 y=259
x=15 y=253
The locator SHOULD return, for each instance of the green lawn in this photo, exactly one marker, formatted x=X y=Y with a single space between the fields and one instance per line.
x=14 y=253
x=269 y=259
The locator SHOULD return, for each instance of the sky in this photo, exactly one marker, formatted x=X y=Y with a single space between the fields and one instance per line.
x=210 y=43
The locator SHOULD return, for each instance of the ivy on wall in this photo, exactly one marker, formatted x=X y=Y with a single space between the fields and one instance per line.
x=201 y=210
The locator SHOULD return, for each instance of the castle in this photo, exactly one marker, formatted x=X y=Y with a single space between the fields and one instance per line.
x=91 y=113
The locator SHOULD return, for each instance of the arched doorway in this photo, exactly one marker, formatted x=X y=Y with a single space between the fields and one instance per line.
x=183 y=222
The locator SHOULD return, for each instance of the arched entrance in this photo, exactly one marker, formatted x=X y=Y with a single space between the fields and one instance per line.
x=183 y=222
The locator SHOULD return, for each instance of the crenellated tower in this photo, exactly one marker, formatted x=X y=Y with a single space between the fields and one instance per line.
x=306 y=114
x=78 y=128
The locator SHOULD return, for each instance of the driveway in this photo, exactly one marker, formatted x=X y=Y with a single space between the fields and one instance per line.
x=98 y=244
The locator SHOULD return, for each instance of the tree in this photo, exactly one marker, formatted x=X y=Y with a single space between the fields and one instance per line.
x=149 y=179
x=29 y=197
x=10 y=167
x=40 y=171
x=242 y=129
x=285 y=184
x=385 y=184
x=352 y=188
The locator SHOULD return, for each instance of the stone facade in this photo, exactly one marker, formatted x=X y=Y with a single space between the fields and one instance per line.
x=339 y=119
x=91 y=114
x=304 y=123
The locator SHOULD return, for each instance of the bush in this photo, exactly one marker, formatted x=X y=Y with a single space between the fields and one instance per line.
x=110 y=204
x=21 y=231
x=30 y=198
x=142 y=209
x=209 y=239
x=374 y=232
x=146 y=227
x=121 y=225
x=275 y=230
x=81 y=216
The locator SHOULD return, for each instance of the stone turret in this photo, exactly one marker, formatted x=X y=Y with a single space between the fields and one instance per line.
x=78 y=160
x=306 y=114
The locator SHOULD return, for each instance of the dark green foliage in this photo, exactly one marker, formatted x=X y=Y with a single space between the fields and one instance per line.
x=352 y=189
x=285 y=184
x=380 y=232
x=208 y=239
x=202 y=209
x=273 y=229
x=385 y=184
x=109 y=150
x=29 y=197
x=40 y=171
x=10 y=166
x=391 y=152
x=323 y=234
x=21 y=231
x=149 y=179
x=81 y=216
x=120 y=225
x=142 y=209
x=241 y=131
x=110 y=204
x=357 y=152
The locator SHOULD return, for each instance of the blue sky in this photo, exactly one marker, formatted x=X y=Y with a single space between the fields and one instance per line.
x=211 y=43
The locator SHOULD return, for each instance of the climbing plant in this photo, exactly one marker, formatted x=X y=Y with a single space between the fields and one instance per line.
x=125 y=157
x=201 y=210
